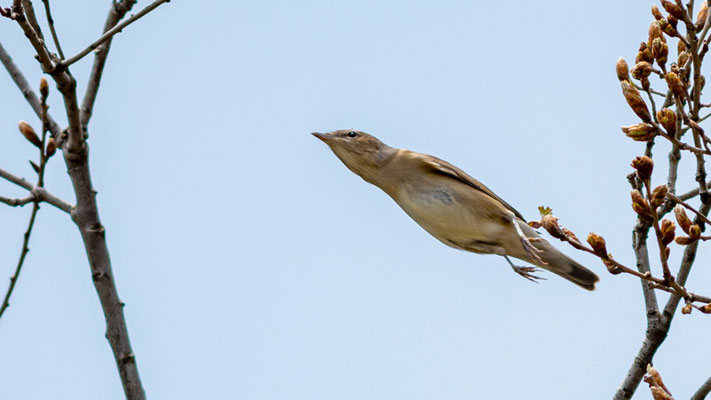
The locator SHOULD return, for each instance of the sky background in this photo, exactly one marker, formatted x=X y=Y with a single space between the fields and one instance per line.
x=254 y=265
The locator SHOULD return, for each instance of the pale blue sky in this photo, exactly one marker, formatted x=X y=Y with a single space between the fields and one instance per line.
x=255 y=266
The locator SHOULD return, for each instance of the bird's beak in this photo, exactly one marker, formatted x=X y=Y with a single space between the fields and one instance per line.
x=325 y=137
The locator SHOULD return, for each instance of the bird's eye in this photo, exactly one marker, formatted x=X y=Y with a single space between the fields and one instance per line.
x=352 y=134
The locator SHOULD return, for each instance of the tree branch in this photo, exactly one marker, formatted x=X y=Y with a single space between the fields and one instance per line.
x=116 y=13
x=26 y=90
x=17 y=202
x=686 y=263
x=86 y=217
x=50 y=22
x=21 y=261
x=118 y=28
x=40 y=194
x=31 y=17
x=703 y=391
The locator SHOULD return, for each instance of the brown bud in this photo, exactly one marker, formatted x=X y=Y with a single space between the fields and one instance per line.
x=44 y=88
x=682 y=219
x=659 y=194
x=702 y=15
x=706 y=309
x=644 y=167
x=654 y=32
x=660 y=51
x=668 y=27
x=611 y=266
x=686 y=309
x=667 y=227
x=623 y=71
x=667 y=118
x=680 y=47
x=641 y=70
x=696 y=127
x=683 y=240
x=640 y=132
x=598 y=244
x=550 y=224
x=659 y=394
x=673 y=9
x=683 y=58
x=675 y=85
x=535 y=224
x=640 y=205
x=29 y=133
x=694 y=232
x=51 y=148
x=656 y=13
x=644 y=54
x=634 y=99
x=570 y=234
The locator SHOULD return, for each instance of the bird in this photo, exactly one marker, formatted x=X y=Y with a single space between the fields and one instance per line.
x=452 y=206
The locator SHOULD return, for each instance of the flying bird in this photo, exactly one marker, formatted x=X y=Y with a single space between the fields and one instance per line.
x=452 y=206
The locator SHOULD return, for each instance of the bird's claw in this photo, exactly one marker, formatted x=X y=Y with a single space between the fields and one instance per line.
x=527 y=272
x=531 y=250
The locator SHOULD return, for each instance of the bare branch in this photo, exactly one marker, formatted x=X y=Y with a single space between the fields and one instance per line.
x=50 y=22
x=17 y=202
x=40 y=193
x=26 y=90
x=116 y=13
x=21 y=261
x=118 y=28
x=31 y=17
x=639 y=244
x=703 y=391
x=654 y=337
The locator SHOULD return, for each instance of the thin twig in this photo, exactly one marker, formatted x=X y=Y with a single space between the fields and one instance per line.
x=17 y=202
x=19 y=78
x=116 y=13
x=35 y=208
x=40 y=193
x=50 y=22
x=688 y=207
x=118 y=28
x=32 y=17
x=21 y=261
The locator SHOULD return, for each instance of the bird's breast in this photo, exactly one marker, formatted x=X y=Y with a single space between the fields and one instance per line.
x=438 y=209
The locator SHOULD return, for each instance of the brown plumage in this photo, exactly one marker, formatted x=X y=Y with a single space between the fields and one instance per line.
x=452 y=206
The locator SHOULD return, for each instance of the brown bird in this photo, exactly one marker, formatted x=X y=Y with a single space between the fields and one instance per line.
x=452 y=206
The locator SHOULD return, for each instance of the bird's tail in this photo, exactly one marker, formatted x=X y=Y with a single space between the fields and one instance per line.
x=560 y=264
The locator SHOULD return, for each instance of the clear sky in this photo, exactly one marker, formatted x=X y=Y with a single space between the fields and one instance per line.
x=254 y=265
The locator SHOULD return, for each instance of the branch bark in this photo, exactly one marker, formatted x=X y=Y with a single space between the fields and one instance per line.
x=19 y=78
x=703 y=391
x=85 y=213
x=117 y=11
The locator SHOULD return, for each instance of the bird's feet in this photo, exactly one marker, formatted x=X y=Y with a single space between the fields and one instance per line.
x=530 y=249
x=527 y=242
x=527 y=272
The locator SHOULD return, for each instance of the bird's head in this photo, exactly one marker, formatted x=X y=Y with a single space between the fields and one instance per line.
x=360 y=152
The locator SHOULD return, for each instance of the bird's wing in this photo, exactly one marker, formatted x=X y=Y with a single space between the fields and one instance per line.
x=446 y=169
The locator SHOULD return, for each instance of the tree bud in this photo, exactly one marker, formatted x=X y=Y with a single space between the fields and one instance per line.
x=634 y=99
x=29 y=133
